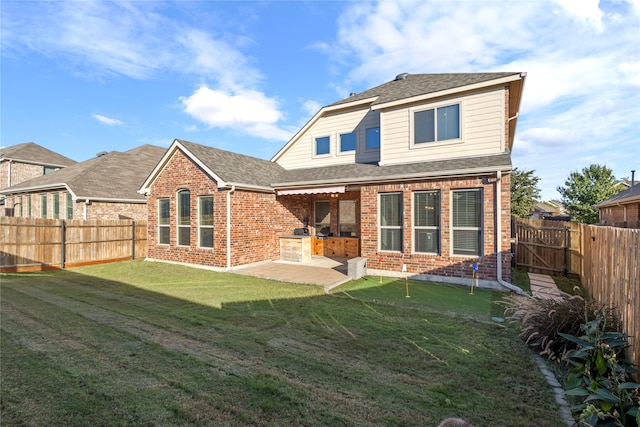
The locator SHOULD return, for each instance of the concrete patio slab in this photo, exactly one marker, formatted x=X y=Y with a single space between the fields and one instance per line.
x=324 y=271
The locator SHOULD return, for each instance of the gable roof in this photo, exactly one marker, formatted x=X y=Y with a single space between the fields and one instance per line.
x=115 y=176
x=228 y=169
x=630 y=195
x=30 y=152
x=407 y=88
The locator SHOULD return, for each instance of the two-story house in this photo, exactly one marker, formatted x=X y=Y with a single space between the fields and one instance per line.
x=413 y=175
x=22 y=162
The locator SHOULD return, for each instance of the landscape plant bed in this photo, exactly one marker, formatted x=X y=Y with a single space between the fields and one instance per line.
x=158 y=344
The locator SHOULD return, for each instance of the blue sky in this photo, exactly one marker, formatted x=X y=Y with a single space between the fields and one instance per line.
x=84 y=77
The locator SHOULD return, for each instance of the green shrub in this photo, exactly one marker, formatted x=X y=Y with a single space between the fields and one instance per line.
x=599 y=374
x=545 y=320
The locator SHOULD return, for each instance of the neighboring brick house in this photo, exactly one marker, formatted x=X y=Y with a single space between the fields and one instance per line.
x=23 y=162
x=413 y=175
x=104 y=187
x=621 y=209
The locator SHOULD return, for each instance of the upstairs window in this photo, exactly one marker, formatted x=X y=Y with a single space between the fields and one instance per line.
x=348 y=141
x=427 y=221
x=48 y=169
x=184 y=218
x=205 y=221
x=372 y=139
x=163 y=221
x=391 y=222
x=436 y=124
x=467 y=222
x=323 y=146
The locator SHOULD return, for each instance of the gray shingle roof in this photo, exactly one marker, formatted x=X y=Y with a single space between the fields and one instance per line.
x=30 y=152
x=363 y=173
x=421 y=84
x=629 y=195
x=115 y=175
x=234 y=168
x=242 y=170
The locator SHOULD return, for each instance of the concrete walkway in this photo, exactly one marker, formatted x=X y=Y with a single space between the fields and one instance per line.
x=543 y=286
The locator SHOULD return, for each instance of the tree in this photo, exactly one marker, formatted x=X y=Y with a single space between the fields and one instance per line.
x=583 y=190
x=524 y=192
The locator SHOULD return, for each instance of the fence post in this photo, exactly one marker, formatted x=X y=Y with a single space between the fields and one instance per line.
x=62 y=241
x=133 y=239
x=566 y=251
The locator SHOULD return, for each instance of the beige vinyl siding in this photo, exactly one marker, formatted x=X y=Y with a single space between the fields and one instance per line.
x=302 y=153
x=482 y=130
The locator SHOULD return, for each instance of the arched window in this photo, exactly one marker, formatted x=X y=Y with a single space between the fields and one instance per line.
x=184 y=218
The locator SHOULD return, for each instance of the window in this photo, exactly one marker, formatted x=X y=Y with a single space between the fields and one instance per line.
x=348 y=141
x=372 y=139
x=48 y=169
x=56 y=206
x=322 y=214
x=467 y=222
x=19 y=205
x=163 y=222
x=184 y=218
x=347 y=223
x=205 y=221
x=43 y=206
x=28 y=206
x=69 y=206
x=439 y=124
x=323 y=146
x=426 y=215
x=391 y=222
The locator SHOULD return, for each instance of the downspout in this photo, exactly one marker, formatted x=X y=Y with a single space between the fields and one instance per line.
x=233 y=189
x=84 y=209
x=499 y=236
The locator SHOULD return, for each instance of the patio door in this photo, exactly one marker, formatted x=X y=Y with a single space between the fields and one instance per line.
x=322 y=217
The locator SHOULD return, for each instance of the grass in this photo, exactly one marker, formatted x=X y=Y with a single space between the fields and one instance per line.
x=138 y=343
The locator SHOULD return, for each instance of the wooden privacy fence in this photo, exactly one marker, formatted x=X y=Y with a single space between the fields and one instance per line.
x=606 y=259
x=31 y=244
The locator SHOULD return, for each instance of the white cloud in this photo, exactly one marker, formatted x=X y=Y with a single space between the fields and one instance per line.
x=246 y=110
x=107 y=120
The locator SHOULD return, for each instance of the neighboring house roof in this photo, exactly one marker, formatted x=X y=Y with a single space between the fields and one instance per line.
x=115 y=176
x=232 y=169
x=408 y=88
x=630 y=195
x=30 y=152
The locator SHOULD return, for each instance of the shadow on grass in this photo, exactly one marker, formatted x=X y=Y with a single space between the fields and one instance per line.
x=157 y=344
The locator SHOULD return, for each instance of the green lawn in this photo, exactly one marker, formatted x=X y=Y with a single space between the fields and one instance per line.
x=140 y=343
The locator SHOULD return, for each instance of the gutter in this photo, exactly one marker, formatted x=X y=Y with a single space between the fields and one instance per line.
x=498 y=198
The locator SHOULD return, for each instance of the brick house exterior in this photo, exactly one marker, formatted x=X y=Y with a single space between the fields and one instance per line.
x=362 y=174
x=621 y=209
x=104 y=187
x=22 y=162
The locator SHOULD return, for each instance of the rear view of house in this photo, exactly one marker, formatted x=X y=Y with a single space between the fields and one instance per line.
x=413 y=175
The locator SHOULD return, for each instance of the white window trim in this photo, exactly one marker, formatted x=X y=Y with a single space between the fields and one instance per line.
x=178 y=225
x=314 y=154
x=416 y=227
x=200 y=226
x=163 y=225
x=480 y=229
x=339 y=143
x=393 y=227
x=412 y=111
x=364 y=140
